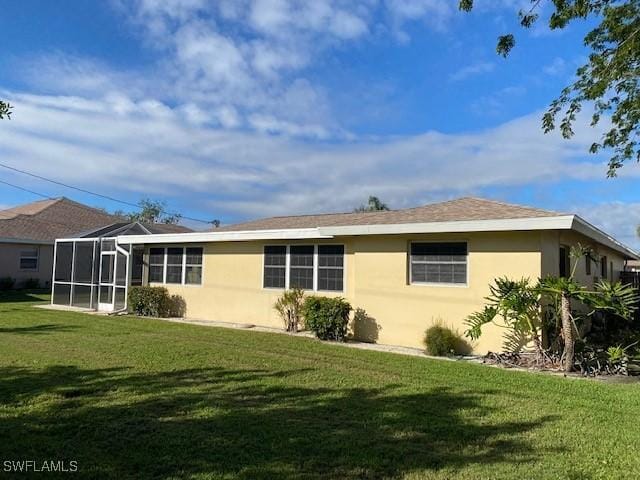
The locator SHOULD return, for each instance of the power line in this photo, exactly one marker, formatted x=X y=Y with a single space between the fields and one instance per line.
x=89 y=192
x=26 y=190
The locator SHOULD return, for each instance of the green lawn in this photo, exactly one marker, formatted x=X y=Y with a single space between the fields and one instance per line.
x=133 y=398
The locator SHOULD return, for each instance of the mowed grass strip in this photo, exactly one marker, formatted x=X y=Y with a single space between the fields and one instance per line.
x=134 y=398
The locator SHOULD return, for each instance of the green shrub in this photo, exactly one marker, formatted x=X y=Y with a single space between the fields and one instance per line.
x=327 y=317
x=31 y=283
x=289 y=306
x=7 y=283
x=441 y=340
x=154 y=302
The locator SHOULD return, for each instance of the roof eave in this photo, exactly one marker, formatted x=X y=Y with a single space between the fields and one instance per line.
x=26 y=241
x=580 y=225
x=539 y=223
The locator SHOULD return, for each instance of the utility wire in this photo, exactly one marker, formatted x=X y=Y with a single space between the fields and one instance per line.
x=26 y=190
x=107 y=197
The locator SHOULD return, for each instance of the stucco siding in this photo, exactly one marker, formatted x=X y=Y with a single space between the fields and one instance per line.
x=10 y=262
x=551 y=256
x=376 y=281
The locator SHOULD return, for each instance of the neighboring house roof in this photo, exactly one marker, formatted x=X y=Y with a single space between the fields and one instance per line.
x=461 y=215
x=45 y=220
x=467 y=208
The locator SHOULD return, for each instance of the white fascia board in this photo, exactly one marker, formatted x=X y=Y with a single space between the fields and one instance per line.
x=240 y=236
x=25 y=241
x=582 y=226
x=561 y=222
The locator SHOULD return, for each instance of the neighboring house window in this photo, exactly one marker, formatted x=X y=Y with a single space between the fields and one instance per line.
x=331 y=267
x=193 y=266
x=176 y=265
x=29 y=259
x=295 y=266
x=444 y=263
x=603 y=267
x=275 y=266
x=156 y=265
x=301 y=266
x=587 y=267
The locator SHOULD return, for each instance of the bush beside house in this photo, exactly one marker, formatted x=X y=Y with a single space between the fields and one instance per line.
x=155 y=302
x=327 y=317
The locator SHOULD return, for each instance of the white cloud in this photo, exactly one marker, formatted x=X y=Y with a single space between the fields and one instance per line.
x=556 y=67
x=621 y=218
x=148 y=149
x=472 y=70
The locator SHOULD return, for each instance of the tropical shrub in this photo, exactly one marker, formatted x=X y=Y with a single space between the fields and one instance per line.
x=289 y=307
x=522 y=306
x=7 y=283
x=516 y=303
x=440 y=340
x=151 y=301
x=327 y=317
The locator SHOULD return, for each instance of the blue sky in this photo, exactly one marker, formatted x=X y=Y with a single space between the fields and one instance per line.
x=248 y=108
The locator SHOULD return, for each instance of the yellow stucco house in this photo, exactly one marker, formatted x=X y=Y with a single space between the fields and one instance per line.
x=405 y=268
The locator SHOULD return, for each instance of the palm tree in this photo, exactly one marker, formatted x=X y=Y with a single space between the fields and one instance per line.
x=373 y=205
x=521 y=306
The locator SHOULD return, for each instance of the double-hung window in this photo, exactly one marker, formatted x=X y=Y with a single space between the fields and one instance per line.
x=29 y=260
x=443 y=263
x=310 y=267
x=156 y=265
x=330 y=267
x=301 y=266
x=193 y=266
x=175 y=265
x=275 y=266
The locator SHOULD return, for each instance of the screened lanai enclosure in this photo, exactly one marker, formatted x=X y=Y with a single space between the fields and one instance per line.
x=94 y=271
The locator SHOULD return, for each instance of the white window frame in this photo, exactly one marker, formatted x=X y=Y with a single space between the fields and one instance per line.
x=437 y=284
x=29 y=257
x=315 y=266
x=184 y=266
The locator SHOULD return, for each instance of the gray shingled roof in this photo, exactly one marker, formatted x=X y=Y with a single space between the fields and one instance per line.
x=467 y=208
x=46 y=220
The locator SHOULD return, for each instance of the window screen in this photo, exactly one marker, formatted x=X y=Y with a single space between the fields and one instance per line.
x=64 y=258
x=301 y=266
x=174 y=264
x=83 y=264
x=156 y=265
x=275 y=262
x=331 y=267
x=439 y=263
x=193 y=266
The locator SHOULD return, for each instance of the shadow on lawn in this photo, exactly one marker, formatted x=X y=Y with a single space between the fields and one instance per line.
x=15 y=296
x=38 y=329
x=246 y=424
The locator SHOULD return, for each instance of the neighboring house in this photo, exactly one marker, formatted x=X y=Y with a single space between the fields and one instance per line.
x=28 y=232
x=633 y=266
x=405 y=268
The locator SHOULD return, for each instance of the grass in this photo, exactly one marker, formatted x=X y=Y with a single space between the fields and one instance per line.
x=134 y=398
